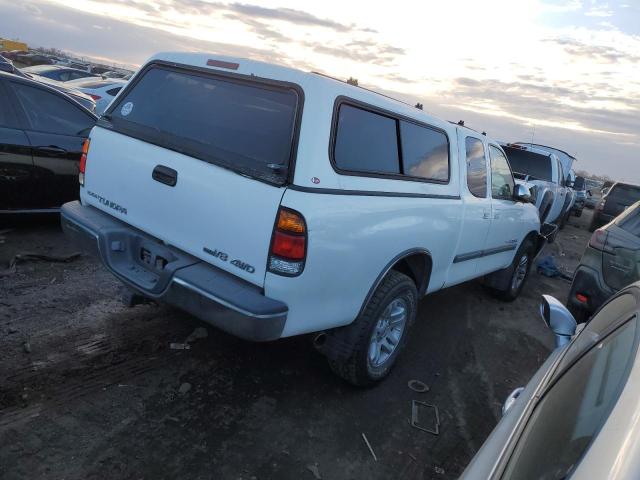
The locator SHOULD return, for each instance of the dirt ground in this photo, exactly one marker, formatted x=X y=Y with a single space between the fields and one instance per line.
x=90 y=389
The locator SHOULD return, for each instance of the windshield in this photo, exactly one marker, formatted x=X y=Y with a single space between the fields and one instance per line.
x=533 y=164
x=240 y=125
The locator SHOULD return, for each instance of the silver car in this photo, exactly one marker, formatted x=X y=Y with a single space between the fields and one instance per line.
x=579 y=416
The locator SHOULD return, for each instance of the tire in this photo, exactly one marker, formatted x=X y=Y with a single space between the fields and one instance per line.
x=518 y=276
x=363 y=364
x=578 y=213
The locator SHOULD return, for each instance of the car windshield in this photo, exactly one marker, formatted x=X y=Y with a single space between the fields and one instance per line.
x=625 y=193
x=237 y=124
x=535 y=165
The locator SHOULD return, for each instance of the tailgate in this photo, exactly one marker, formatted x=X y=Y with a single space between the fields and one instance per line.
x=197 y=161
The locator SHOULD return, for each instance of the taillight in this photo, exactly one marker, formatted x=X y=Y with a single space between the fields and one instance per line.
x=95 y=97
x=599 y=240
x=600 y=205
x=83 y=161
x=288 y=243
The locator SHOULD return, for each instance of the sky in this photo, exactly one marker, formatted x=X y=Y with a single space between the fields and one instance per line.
x=565 y=73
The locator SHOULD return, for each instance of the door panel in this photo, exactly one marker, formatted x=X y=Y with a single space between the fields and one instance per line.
x=506 y=222
x=17 y=178
x=56 y=128
x=56 y=162
x=477 y=205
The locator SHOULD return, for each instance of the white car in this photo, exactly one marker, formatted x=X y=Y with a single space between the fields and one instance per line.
x=578 y=416
x=102 y=91
x=272 y=202
x=542 y=172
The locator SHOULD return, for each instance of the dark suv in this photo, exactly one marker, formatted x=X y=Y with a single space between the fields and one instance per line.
x=610 y=262
x=618 y=198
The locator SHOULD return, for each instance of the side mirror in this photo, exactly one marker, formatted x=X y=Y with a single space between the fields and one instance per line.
x=558 y=319
x=522 y=193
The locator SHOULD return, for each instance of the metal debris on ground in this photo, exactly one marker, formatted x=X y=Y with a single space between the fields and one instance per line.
x=438 y=470
x=29 y=256
x=418 y=386
x=179 y=346
x=197 y=334
x=415 y=417
x=314 y=469
x=185 y=387
x=364 y=437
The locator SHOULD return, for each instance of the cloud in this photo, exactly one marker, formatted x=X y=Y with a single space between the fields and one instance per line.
x=598 y=53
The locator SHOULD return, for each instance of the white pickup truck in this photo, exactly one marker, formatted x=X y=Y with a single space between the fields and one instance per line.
x=540 y=169
x=270 y=202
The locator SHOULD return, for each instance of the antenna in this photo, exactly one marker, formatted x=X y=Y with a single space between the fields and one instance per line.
x=533 y=133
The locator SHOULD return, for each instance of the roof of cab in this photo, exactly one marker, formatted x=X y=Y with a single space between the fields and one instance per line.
x=528 y=148
x=304 y=79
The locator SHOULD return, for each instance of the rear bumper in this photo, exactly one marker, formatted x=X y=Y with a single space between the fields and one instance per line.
x=588 y=282
x=172 y=276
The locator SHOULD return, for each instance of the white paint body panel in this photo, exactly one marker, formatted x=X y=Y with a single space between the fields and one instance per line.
x=351 y=238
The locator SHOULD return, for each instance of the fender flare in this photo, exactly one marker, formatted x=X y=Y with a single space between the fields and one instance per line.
x=423 y=282
x=547 y=201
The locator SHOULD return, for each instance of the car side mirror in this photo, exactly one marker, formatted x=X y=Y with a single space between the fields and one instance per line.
x=522 y=193
x=558 y=319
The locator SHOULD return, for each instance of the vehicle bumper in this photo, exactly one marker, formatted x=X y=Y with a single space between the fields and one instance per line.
x=174 y=277
x=588 y=282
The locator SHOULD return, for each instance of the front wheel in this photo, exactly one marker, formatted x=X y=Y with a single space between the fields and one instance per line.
x=374 y=340
x=519 y=269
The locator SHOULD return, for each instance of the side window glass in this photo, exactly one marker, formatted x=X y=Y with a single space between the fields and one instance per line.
x=65 y=76
x=502 y=183
x=425 y=152
x=47 y=112
x=366 y=142
x=114 y=91
x=476 y=167
x=572 y=412
x=7 y=118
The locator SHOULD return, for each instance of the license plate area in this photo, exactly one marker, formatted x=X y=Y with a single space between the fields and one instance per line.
x=144 y=262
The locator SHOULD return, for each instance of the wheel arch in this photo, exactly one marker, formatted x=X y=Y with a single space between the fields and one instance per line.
x=416 y=263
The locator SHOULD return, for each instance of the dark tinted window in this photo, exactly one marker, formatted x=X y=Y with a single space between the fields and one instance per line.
x=51 y=113
x=366 y=141
x=502 y=183
x=529 y=163
x=625 y=193
x=114 y=91
x=574 y=410
x=579 y=184
x=6 y=115
x=425 y=152
x=476 y=167
x=244 y=126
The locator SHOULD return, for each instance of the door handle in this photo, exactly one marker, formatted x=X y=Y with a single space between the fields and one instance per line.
x=52 y=149
x=165 y=175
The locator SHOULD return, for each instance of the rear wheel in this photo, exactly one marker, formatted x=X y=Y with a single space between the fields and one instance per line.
x=374 y=340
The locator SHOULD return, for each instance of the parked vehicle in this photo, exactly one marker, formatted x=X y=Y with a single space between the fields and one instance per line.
x=101 y=91
x=30 y=59
x=58 y=73
x=617 y=198
x=234 y=209
x=41 y=137
x=581 y=195
x=540 y=171
x=576 y=417
x=609 y=263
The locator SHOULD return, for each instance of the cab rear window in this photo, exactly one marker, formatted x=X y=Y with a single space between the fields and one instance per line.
x=528 y=163
x=626 y=193
x=242 y=125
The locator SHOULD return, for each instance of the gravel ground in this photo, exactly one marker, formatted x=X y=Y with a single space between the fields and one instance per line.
x=91 y=389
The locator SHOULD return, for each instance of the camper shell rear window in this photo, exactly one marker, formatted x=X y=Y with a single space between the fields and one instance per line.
x=240 y=123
